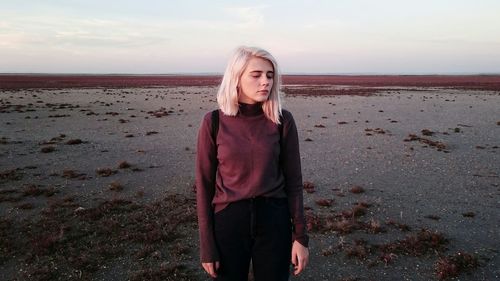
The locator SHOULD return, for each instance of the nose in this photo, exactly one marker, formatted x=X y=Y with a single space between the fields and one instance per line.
x=265 y=81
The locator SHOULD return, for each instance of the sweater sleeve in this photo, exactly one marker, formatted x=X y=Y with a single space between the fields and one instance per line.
x=293 y=178
x=206 y=167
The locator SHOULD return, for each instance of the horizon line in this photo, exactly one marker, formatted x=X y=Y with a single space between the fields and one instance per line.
x=287 y=73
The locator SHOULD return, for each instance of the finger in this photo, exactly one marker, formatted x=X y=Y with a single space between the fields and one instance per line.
x=209 y=268
x=296 y=271
x=305 y=261
x=215 y=266
x=213 y=273
x=300 y=266
x=294 y=259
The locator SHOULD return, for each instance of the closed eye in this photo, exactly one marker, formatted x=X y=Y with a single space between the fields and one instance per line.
x=258 y=73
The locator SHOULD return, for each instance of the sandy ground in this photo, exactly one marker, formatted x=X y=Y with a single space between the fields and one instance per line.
x=405 y=181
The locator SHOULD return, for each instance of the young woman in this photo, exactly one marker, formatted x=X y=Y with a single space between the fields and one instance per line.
x=248 y=177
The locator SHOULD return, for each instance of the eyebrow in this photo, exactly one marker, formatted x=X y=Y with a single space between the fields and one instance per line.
x=260 y=71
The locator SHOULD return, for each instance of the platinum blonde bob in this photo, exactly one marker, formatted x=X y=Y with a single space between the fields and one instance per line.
x=227 y=95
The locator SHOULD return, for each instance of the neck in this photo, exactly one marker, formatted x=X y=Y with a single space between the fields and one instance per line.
x=247 y=109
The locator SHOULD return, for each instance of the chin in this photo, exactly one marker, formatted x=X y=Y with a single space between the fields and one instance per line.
x=262 y=99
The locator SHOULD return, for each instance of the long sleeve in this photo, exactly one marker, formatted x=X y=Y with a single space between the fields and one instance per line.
x=293 y=178
x=206 y=167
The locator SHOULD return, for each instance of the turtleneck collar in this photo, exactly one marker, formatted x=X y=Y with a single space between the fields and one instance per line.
x=246 y=109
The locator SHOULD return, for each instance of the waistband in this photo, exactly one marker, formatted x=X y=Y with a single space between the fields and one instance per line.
x=265 y=199
x=252 y=200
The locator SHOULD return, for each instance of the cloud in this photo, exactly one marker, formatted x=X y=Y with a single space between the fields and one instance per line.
x=248 y=17
x=12 y=41
x=63 y=31
x=460 y=41
x=4 y=24
x=325 y=24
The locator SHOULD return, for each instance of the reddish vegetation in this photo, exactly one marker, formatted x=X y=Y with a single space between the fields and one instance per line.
x=452 y=265
x=358 y=249
x=112 y=81
x=440 y=146
x=66 y=238
x=123 y=165
x=376 y=130
x=10 y=175
x=116 y=186
x=421 y=243
x=309 y=187
x=356 y=211
x=47 y=149
x=74 y=141
x=401 y=226
x=34 y=190
x=10 y=195
x=432 y=217
x=343 y=222
x=328 y=91
x=105 y=172
x=71 y=174
x=324 y=202
x=469 y=214
x=484 y=82
x=357 y=189
x=159 y=112
x=19 y=81
x=427 y=132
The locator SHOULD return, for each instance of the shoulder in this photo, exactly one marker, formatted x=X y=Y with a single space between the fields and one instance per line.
x=208 y=116
x=207 y=119
x=286 y=116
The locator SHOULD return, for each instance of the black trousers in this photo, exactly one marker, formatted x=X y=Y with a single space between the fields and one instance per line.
x=259 y=230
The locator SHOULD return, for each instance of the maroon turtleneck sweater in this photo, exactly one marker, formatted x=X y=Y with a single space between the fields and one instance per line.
x=248 y=166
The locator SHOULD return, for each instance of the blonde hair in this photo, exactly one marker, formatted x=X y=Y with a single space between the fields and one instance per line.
x=227 y=95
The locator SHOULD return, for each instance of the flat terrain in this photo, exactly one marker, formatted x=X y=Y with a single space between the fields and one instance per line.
x=96 y=183
x=58 y=81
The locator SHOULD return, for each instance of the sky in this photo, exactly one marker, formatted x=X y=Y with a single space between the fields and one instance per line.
x=308 y=36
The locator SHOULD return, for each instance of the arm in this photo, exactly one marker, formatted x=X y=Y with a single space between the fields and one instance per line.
x=293 y=187
x=293 y=178
x=206 y=167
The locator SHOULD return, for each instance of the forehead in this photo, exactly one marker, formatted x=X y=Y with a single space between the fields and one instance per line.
x=259 y=64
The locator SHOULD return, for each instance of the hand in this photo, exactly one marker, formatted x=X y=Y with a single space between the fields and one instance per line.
x=300 y=257
x=211 y=268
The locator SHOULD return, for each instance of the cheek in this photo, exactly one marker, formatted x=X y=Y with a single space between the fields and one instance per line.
x=242 y=84
x=271 y=83
x=246 y=85
x=250 y=84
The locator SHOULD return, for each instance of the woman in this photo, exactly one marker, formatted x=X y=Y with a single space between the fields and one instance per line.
x=248 y=177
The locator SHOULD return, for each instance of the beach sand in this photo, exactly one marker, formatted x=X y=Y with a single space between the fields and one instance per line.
x=444 y=180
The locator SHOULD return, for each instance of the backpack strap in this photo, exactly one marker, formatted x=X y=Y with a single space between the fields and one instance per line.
x=215 y=128
x=280 y=128
x=215 y=124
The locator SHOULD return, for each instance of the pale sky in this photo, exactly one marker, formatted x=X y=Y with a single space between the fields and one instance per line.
x=308 y=36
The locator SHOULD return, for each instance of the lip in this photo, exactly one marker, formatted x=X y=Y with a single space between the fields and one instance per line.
x=263 y=91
